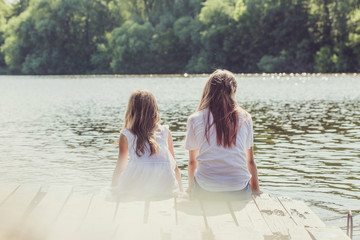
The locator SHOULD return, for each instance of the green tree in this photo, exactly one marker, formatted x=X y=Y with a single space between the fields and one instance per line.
x=176 y=36
x=187 y=31
x=325 y=60
x=331 y=31
x=214 y=27
x=54 y=37
x=131 y=47
x=4 y=12
x=18 y=7
x=288 y=40
x=189 y=8
x=354 y=37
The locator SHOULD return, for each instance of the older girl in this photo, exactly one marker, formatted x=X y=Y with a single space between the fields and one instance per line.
x=220 y=143
x=152 y=171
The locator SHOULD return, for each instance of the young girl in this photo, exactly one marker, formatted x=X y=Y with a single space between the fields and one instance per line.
x=152 y=171
x=220 y=143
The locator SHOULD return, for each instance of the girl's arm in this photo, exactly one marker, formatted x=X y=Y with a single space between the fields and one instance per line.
x=177 y=172
x=254 y=183
x=192 y=167
x=122 y=159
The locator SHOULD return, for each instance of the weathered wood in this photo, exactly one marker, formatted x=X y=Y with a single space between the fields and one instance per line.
x=248 y=215
x=162 y=217
x=99 y=222
x=188 y=232
x=222 y=221
x=218 y=214
x=139 y=232
x=191 y=221
x=132 y=221
x=327 y=233
x=26 y=213
x=14 y=211
x=224 y=224
x=300 y=213
x=189 y=212
x=71 y=217
x=131 y=213
x=6 y=190
x=275 y=215
x=299 y=233
x=41 y=219
x=232 y=232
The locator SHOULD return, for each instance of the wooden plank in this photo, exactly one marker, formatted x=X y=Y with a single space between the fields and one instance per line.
x=232 y=232
x=224 y=225
x=188 y=232
x=42 y=218
x=299 y=233
x=248 y=215
x=140 y=232
x=162 y=217
x=242 y=216
x=327 y=233
x=133 y=218
x=300 y=213
x=71 y=217
x=14 y=211
x=6 y=189
x=189 y=212
x=191 y=221
x=131 y=213
x=218 y=214
x=274 y=214
x=99 y=222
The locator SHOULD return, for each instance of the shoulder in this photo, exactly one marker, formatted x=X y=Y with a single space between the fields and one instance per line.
x=196 y=116
x=245 y=118
x=243 y=114
x=164 y=130
x=127 y=133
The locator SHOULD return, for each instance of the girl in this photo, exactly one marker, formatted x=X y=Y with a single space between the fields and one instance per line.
x=220 y=143
x=152 y=170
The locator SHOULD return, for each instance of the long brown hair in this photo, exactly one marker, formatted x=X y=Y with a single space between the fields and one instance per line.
x=142 y=118
x=219 y=97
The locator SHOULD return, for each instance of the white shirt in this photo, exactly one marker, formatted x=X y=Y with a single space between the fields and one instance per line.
x=219 y=168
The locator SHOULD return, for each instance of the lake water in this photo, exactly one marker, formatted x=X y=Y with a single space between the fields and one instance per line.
x=63 y=130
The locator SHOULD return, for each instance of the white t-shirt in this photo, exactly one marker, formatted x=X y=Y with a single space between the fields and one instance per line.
x=219 y=168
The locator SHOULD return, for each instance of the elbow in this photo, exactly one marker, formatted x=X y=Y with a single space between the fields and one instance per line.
x=251 y=162
x=192 y=162
x=192 y=165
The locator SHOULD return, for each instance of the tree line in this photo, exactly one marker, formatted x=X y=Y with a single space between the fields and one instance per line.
x=178 y=36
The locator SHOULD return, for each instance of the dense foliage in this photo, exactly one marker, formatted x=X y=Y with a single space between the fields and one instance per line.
x=177 y=36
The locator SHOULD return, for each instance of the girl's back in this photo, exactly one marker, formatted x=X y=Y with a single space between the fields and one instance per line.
x=162 y=156
x=221 y=168
x=152 y=170
x=148 y=176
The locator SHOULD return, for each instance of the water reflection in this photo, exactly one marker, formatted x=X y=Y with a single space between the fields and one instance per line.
x=307 y=132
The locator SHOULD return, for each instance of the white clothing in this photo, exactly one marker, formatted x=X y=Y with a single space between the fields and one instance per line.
x=148 y=176
x=219 y=168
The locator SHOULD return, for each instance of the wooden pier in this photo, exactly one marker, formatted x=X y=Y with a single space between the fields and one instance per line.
x=30 y=212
